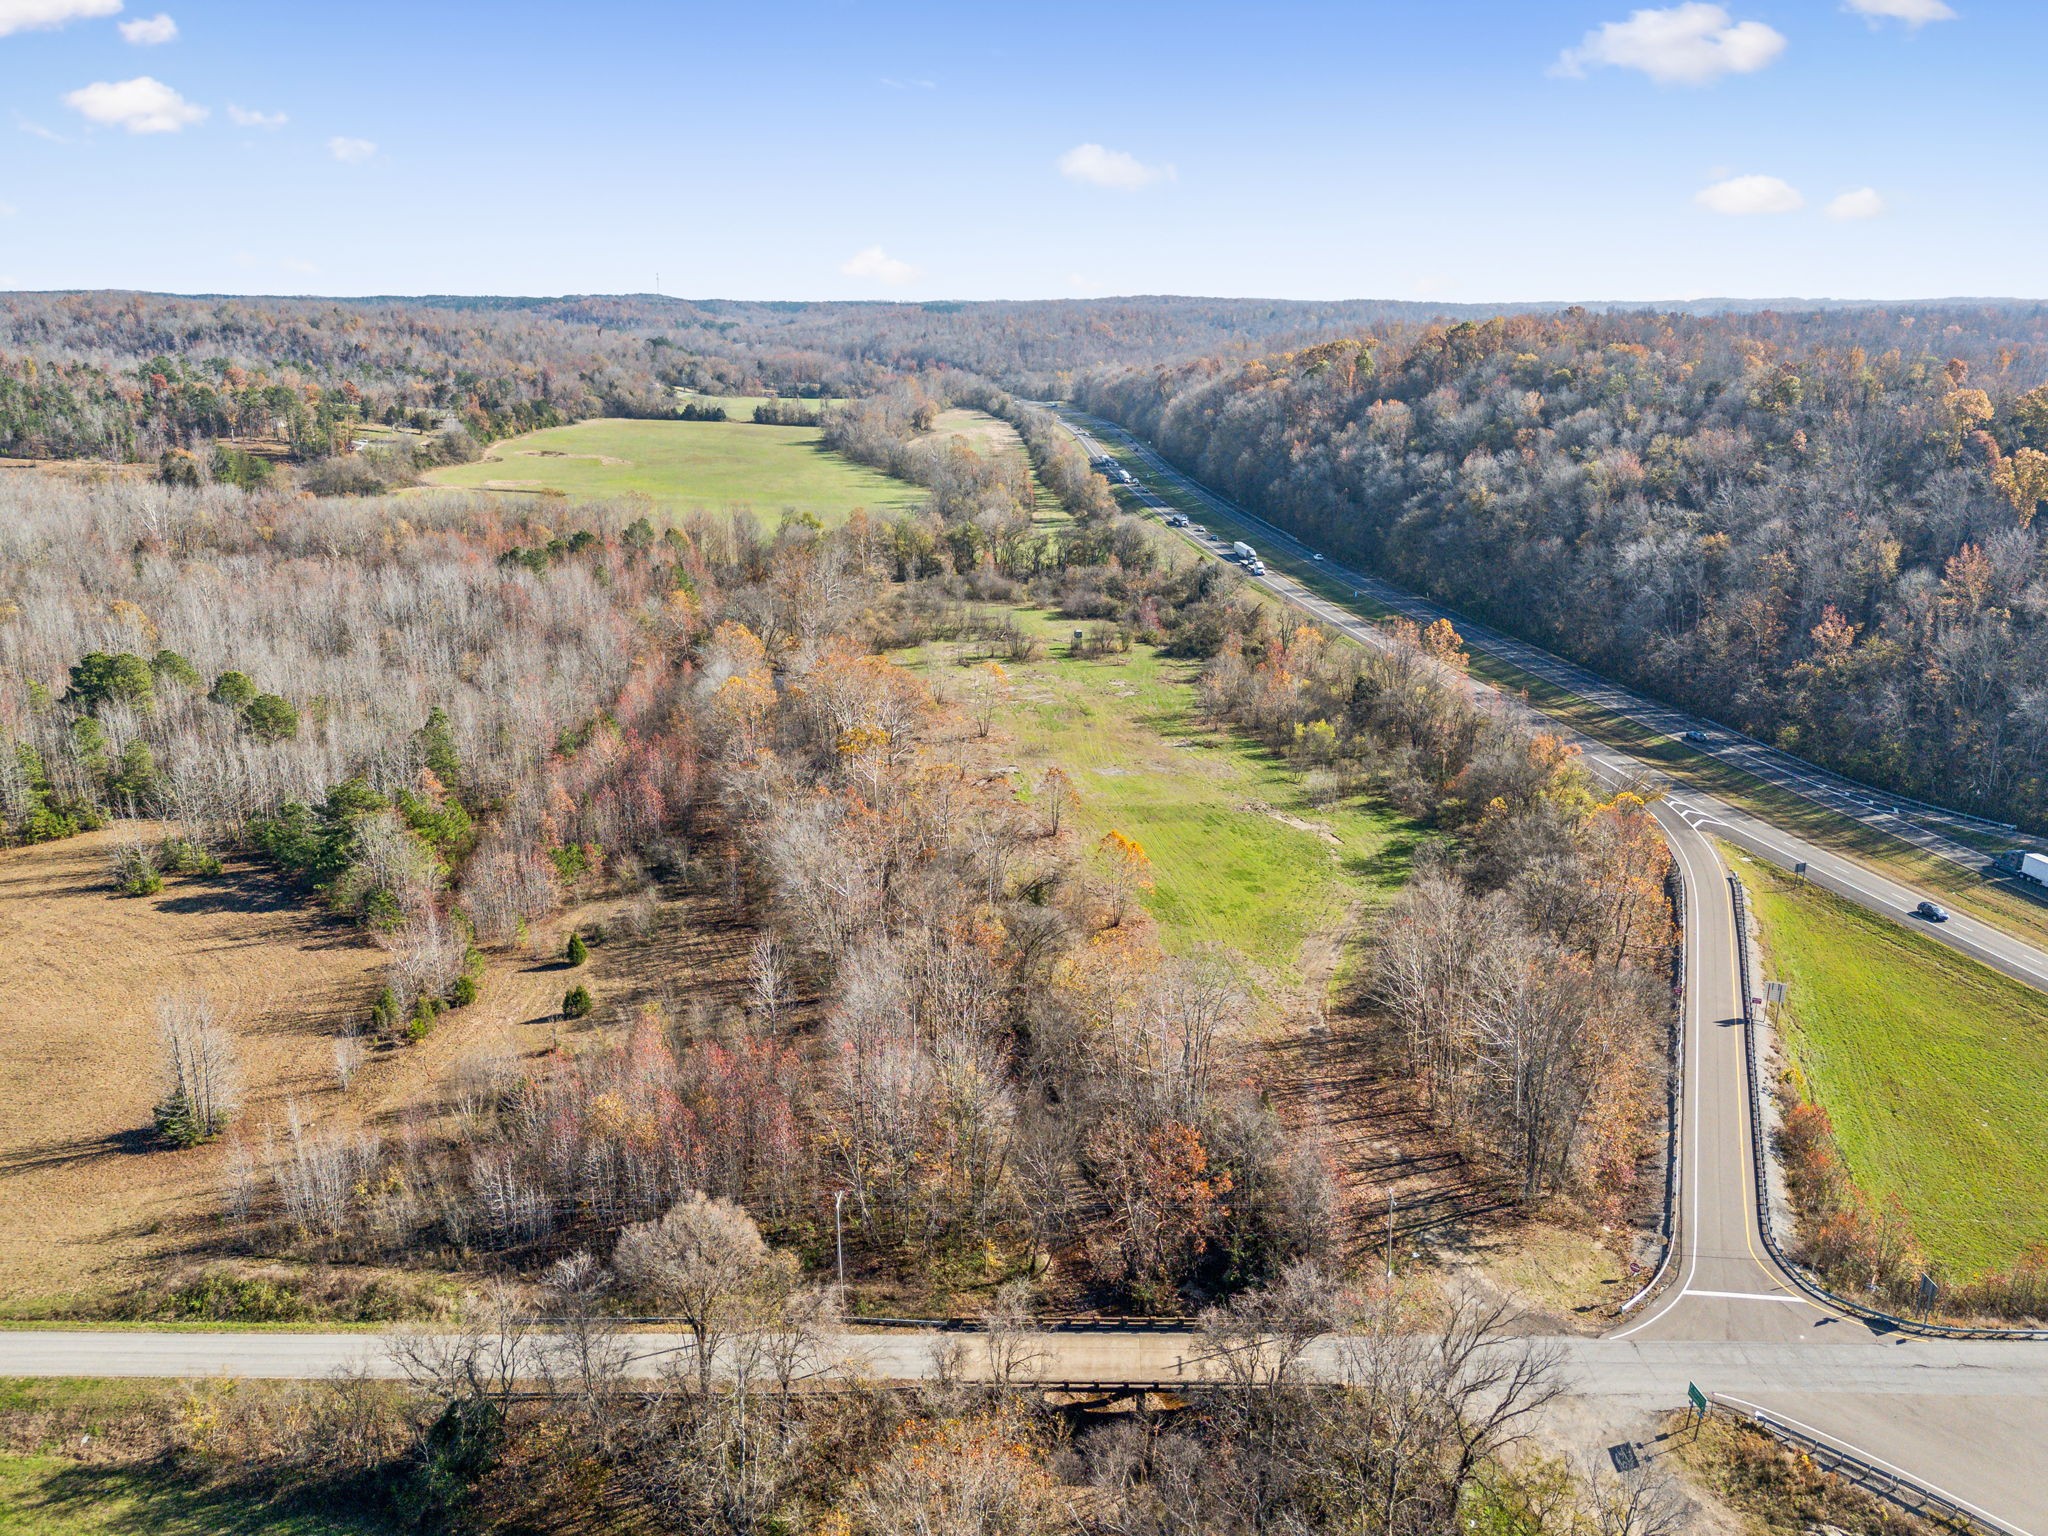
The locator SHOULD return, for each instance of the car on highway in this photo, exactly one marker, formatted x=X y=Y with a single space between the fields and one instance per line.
x=1931 y=912
x=1315 y=557
x=1697 y=738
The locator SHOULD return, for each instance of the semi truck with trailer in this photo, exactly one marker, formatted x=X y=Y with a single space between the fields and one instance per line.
x=2030 y=867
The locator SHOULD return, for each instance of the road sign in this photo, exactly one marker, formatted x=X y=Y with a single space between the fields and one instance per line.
x=1774 y=993
x=1799 y=868
x=1696 y=1397
x=1928 y=1291
x=1623 y=1456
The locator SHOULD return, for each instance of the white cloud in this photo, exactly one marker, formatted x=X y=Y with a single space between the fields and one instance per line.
x=1688 y=44
x=1863 y=203
x=38 y=131
x=1113 y=168
x=26 y=15
x=879 y=266
x=141 y=105
x=150 y=31
x=244 y=117
x=1914 y=13
x=350 y=151
x=1750 y=194
x=8 y=210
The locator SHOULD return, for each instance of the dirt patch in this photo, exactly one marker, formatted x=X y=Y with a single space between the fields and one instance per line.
x=589 y=458
x=1319 y=829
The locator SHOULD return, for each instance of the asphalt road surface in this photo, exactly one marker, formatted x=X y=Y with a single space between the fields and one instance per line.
x=1923 y=828
x=1727 y=1308
x=1966 y=1419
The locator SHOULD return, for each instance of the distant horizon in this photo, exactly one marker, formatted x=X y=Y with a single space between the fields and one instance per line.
x=1761 y=301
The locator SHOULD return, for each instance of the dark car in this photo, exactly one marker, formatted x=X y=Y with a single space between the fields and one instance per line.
x=1931 y=912
x=1697 y=738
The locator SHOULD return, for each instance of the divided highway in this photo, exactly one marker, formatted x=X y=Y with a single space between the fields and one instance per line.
x=1844 y=876
x=1968 y=1420
x=1726 y=1310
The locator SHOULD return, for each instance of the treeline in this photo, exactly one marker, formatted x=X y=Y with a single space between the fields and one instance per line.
x=128 y=376
x=1820 y=529
x=1523 y=976
x=125 y=376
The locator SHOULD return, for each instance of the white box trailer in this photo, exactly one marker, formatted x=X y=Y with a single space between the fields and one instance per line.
x=2034 y=867
x=1244 y=552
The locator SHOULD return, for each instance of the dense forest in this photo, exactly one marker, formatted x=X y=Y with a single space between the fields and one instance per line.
x=1816 y=528
x=127 y=375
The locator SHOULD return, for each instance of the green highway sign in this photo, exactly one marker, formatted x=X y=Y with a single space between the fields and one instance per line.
x=1696 y=1397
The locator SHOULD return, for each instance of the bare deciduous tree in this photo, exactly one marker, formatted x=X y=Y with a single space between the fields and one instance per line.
x=201 y=1068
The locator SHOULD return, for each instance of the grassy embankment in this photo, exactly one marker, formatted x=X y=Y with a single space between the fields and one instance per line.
x=2000 y=905
x=58 y=1496
x=681 y=465
x=88 y=1458
x=1933 y=1068
x=1241 y=860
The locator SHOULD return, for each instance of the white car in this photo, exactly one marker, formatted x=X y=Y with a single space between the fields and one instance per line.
x=1315 y=557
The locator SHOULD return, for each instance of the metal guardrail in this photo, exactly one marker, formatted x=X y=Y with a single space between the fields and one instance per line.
x=1760 y=1159
x=1839 y=782
x=1674 y=1111
x=1880 y=1482
x=1073 y=1322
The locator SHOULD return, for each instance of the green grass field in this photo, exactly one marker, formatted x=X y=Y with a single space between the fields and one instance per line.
x=679 y=465
x=1240 y=859
x=1933 y=1068
x=1999 y=905
x=55 y=1496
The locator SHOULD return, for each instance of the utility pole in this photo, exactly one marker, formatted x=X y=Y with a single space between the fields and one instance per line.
x=1390 y=1236
x=839 y=1239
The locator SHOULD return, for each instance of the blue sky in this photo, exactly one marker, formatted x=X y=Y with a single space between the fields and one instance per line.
x=1472 y=150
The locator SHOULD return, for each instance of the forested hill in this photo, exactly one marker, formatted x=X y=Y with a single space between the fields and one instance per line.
x=1819 y=528
x=127 y=375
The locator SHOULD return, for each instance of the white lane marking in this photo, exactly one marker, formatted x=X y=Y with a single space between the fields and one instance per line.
x=1978 y=947
x=1981 y=947
x=1797 y=1301
x=1688 y=1163
x=1935 y=1488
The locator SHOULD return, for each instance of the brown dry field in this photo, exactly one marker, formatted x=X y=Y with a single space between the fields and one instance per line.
x=90 y=1203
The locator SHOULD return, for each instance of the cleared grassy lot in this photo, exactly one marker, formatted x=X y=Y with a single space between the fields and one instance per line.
x=1241 y=859
x=1933 y=1068
x=678 y=465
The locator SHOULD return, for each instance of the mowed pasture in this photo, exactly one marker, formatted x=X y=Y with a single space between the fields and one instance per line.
x=1933 y=1068
x=677 y=466
x=1241 y=861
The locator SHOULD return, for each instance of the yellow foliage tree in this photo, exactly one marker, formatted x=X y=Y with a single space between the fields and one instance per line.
x=1126 y=870
x=2024 y=480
